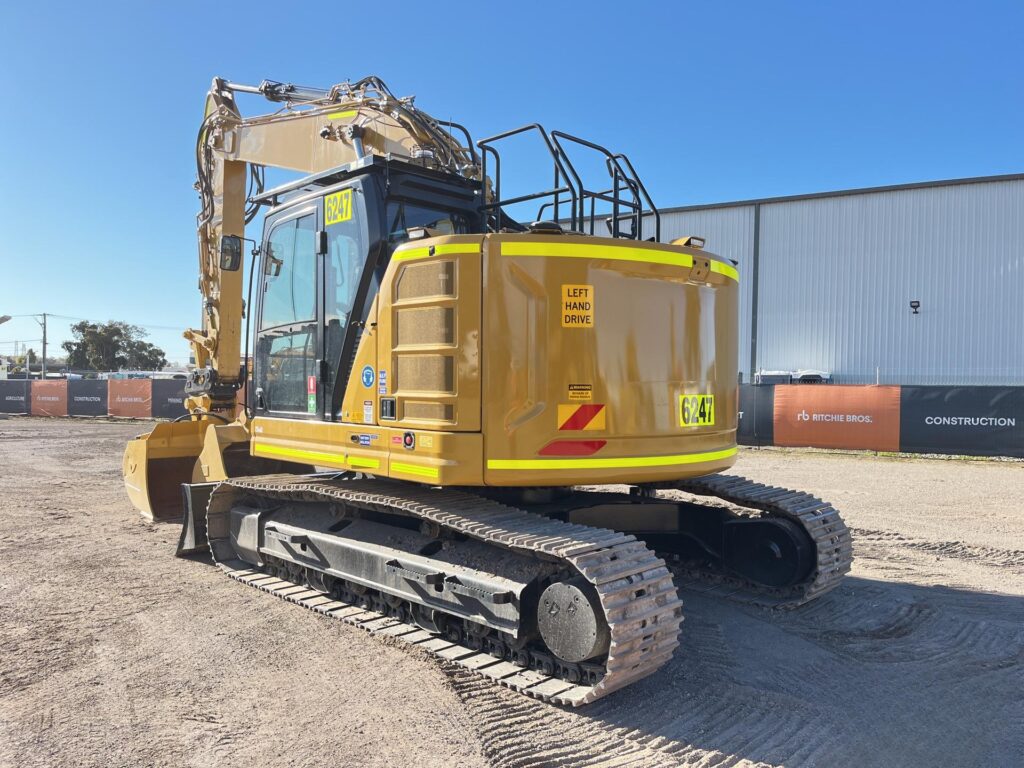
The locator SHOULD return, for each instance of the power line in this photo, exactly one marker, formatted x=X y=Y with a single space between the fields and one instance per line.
x=148 y=326
x=141 y=325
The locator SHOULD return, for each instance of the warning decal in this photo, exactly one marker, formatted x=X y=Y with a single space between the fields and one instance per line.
x=696 y=410
x=581 y=391
x=588 y=417
x=311 y=394
x=577 y=306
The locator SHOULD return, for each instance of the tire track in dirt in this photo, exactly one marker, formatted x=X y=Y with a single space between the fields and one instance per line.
x=661 y=721
x=905 y=630
x=844 y=681
x=991 y=556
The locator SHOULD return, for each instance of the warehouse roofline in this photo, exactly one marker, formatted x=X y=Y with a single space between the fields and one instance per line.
x=847 y=192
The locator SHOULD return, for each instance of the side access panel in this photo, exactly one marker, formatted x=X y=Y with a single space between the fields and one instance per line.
x=428 y=335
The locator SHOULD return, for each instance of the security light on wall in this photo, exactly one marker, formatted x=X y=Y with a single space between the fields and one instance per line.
x=915 y=305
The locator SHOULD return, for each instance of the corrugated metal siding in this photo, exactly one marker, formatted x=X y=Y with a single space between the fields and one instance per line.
x=728 y=232
x=837 y=276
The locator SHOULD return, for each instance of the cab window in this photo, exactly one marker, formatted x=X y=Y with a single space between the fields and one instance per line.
x=287 y=348
x=343 y=269
x=403 y=216
x=289 y=269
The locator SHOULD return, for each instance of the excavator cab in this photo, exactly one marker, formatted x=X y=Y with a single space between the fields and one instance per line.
x=325 y=248
x=327 y=241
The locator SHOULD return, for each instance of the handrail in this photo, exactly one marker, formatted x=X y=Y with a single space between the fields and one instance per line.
x=627 y=194
x=487 y=149
x=643 y=191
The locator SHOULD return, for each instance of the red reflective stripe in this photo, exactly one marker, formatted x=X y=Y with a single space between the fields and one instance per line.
x=572 y=447
x=582 y=416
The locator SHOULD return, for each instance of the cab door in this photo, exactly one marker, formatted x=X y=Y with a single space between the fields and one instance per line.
x=289 y=339
x=319 y=276
x=350 y=277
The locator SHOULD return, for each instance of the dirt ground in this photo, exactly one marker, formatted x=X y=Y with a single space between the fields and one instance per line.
x=115 y=653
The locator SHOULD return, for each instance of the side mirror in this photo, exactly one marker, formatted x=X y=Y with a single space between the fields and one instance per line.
x=230 y=252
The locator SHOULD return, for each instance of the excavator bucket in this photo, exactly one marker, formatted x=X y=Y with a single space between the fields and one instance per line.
x=195 y=452
x=157 y=463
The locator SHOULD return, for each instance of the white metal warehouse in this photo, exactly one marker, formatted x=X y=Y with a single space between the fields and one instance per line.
x=827 y=280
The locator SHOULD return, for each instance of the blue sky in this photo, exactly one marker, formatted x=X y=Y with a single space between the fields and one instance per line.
x=712 y=101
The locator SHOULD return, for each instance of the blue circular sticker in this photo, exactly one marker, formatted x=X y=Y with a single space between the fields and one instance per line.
x=368 y=376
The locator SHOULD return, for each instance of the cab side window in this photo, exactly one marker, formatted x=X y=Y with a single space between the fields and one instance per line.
x=287 y=349
x=343 y=269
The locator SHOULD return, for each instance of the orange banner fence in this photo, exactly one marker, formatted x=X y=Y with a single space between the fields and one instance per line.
x=126 y=398
x=836 y=416
x=131 y=398
x=973 y=421
x=49 y=398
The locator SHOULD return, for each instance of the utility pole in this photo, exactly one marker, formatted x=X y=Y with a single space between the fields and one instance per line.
x=44 y=347
x=42 y=375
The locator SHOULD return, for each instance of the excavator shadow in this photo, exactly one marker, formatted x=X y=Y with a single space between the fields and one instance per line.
x=874 y=673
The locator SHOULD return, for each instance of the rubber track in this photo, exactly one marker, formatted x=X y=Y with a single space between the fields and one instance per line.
x=818 y=518
x=634 y=586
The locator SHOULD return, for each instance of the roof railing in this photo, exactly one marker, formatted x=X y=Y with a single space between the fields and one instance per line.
x=627 y=197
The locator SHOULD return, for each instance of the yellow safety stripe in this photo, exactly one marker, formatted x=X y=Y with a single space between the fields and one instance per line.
x=612 y=252
x=359 y=461
x=416 y=469
x=725 y=269
x=408 y=254
x=623 y=463
x=314 y=456
x=572 y=250
x=343 y=115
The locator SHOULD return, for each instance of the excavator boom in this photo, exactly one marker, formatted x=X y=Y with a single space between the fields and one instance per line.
x=316 y=130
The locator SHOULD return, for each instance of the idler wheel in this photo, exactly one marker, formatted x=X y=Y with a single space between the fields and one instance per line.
x=571 y=621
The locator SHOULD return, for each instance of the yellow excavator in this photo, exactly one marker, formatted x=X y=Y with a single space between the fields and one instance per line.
x=498 y=440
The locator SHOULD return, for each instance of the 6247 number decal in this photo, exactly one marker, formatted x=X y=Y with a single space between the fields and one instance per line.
x=696 y=410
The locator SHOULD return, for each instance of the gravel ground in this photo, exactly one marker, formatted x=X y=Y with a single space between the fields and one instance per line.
x=113 y=652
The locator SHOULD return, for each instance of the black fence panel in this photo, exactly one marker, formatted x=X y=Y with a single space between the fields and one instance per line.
x=14 y=396
x=87 y=397
x=168 y=398
x=977 y=421
x=757 y=415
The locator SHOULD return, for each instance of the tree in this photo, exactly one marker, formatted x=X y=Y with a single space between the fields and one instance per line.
x=144 y=356
x=112 y=346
